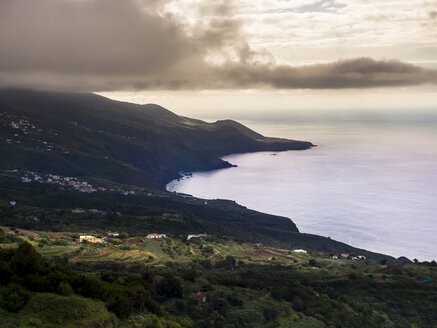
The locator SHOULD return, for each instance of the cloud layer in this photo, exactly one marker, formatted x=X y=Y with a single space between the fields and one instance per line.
x=104 y=45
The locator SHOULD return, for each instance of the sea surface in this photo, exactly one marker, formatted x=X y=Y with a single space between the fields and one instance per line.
x=371 y=181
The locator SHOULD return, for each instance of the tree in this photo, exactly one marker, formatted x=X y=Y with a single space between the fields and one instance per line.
x=65 y=289
x=120 y=304
x=26 y=260
x=169 y=288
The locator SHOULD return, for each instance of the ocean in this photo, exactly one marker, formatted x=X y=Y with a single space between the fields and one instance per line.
x=371 y=182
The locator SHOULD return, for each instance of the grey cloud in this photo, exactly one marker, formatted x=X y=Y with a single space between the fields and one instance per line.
x=97 y=45
x=102 y=37
x=351 y=73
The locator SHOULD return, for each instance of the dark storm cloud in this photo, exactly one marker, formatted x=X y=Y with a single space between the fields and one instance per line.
x=96 y=45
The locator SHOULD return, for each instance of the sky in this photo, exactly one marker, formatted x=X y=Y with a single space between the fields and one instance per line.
x=230 y=55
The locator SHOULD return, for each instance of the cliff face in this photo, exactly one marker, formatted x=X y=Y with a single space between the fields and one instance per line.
x=89 y=135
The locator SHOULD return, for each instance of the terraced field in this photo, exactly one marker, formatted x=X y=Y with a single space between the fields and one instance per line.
x=111 y=254
x=152 y=251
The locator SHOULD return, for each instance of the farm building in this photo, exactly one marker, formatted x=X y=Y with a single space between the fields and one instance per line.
x=156 y=236
x=90 y=239
x=196 y=236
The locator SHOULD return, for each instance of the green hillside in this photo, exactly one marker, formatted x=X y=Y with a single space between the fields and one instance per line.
x=50 y=280
x=89 y=135
x=50 y=207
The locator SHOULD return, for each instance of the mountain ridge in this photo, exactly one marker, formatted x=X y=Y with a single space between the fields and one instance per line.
x=144 y=142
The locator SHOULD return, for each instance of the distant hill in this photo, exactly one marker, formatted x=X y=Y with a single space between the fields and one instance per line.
x=89 y=135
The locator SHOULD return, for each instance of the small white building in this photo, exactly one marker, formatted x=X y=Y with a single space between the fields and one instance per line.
x=196 y=236
x=300 y=251
x=156 y=236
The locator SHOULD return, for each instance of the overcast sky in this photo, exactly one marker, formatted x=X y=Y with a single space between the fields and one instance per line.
x=231 y=54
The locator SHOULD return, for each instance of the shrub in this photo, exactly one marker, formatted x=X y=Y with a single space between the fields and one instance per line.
x=312 y=262
x=148 y=321
x=65 y=289
x=14 y=298
x=208 y=250
x=169 y=288
x=43 y=241
x=120 y=304
x=5 y=273
x=60 y=242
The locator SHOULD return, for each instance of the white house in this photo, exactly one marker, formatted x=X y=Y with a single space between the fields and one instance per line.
x=156 y=236
x=300 y=251
x=197 y=236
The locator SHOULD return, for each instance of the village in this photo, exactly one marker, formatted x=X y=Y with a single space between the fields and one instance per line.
x=70 y=182
x=74 y=183
x=22 y=131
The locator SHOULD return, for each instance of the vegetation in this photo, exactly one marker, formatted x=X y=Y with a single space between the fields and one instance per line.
x=212 y=282
x=47 y=208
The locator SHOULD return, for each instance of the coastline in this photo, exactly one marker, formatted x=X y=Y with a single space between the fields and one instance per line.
x=172 y=187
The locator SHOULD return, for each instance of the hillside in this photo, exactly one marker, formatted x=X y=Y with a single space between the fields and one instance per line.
x=51 y=280
x=148 y=211
x=89 y=135
x=95 y=144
